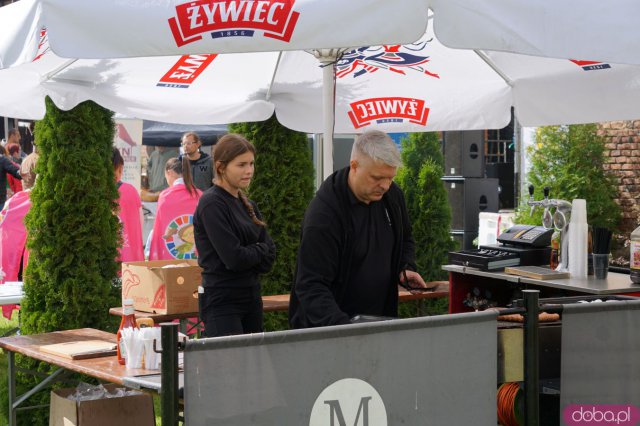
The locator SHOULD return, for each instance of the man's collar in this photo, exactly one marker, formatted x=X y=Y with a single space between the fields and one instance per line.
x=353 y=200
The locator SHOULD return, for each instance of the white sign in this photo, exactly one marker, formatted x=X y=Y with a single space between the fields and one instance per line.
x=128 y=140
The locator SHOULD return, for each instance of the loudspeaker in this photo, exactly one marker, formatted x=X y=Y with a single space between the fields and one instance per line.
x=467 y=198
x=505 y=174
x=464 y=240
x=464 y=153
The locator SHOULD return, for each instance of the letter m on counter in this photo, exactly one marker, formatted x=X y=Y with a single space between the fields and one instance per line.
x=337 y=417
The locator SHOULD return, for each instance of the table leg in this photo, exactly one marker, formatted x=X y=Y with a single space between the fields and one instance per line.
x=531 y=358
x=11 y=372
x=14 y=401
x=169 y=380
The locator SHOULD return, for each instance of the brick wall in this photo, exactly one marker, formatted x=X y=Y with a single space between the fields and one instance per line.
x=623 y=152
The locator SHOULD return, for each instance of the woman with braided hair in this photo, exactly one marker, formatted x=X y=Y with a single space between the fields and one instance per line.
x=233 y=244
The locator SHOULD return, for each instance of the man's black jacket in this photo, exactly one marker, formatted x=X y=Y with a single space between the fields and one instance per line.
x=6 y=166
x=326 y=249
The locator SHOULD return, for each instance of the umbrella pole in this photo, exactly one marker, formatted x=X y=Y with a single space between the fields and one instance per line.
x=328 y=112
x=328 y=58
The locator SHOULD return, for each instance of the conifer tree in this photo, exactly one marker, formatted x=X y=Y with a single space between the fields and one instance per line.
x=416 y=149
x=431 y=223
x=282 y=188
x=569 y=160
x=72 y=231
x=427 y=202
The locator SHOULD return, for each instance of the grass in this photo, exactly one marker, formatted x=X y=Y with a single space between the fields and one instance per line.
x=6 y=325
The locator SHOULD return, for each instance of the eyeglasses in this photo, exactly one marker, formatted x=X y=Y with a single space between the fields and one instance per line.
x=187 y=143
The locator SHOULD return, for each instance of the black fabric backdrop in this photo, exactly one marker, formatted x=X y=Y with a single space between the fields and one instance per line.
x=167 y=134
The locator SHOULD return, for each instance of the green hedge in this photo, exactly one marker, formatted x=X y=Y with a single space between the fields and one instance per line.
x=569 y=160
x=429 y=213
x=427 y=202
x=72 y=231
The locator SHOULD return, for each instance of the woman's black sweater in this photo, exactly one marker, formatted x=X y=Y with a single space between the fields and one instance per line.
x=232 y=250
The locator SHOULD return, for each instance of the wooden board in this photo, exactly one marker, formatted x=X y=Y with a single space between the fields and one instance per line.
x=83 y=349
x=536 y=272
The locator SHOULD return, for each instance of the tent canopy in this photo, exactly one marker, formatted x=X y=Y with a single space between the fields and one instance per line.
x=167 y=134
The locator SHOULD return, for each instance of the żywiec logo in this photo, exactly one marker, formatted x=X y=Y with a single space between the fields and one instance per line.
x=591 y=65
x=396 y=58
x=233 y=18
x=349 y=402
x=43 y=45
x=600 y=415
x=388 y=110
x=185 y=71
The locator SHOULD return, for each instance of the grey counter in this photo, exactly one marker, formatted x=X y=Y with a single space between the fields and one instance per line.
x=614 y=284
x=153 y=382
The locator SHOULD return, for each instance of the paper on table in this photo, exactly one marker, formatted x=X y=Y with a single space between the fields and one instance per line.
x=81 y=349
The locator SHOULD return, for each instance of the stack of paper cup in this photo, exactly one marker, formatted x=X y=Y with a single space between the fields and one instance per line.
x=151 y=358
x=133 y=346
x=578 y=239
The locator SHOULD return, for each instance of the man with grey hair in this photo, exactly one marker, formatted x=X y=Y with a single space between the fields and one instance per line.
x=356 y=244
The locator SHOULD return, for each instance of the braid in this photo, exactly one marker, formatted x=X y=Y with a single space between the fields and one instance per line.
x=249 y=208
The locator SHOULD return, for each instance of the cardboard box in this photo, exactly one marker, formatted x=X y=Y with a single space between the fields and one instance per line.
x=160 y=289
x=133 y=410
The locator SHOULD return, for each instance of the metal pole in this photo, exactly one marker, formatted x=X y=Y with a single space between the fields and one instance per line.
x=328 y=116
x=11 y=372
x=318 y=149
x=519 y=155
x=328 y=58
x=169 y=381
x=6 y=128
x=531 y=359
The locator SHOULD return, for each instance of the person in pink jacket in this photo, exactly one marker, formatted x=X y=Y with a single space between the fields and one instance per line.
x=13 y=238
x=172 y=236
x=129 y=213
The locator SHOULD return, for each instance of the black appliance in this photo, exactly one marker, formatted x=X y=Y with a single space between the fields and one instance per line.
x=467 y=198
x=464 y=153
x=523 y=245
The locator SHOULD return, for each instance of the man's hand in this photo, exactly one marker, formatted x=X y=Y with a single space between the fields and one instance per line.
x=412 y=281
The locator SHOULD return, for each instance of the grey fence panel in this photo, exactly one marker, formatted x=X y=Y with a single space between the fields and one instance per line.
x=600 y=356
x=425 y=371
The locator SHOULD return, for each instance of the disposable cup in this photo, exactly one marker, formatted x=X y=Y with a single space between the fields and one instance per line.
x=600 y=265
x=151 y=358
x=578 y=211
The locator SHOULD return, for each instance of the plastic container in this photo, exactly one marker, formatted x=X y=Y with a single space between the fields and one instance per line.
x=578 y=239
x=128 y=320
x=493 y=224
x=554 y=260
x=634 y=257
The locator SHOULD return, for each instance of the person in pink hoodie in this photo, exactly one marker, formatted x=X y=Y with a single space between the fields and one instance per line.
x=14 y=255
x=172 y=235
x=129 y=213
